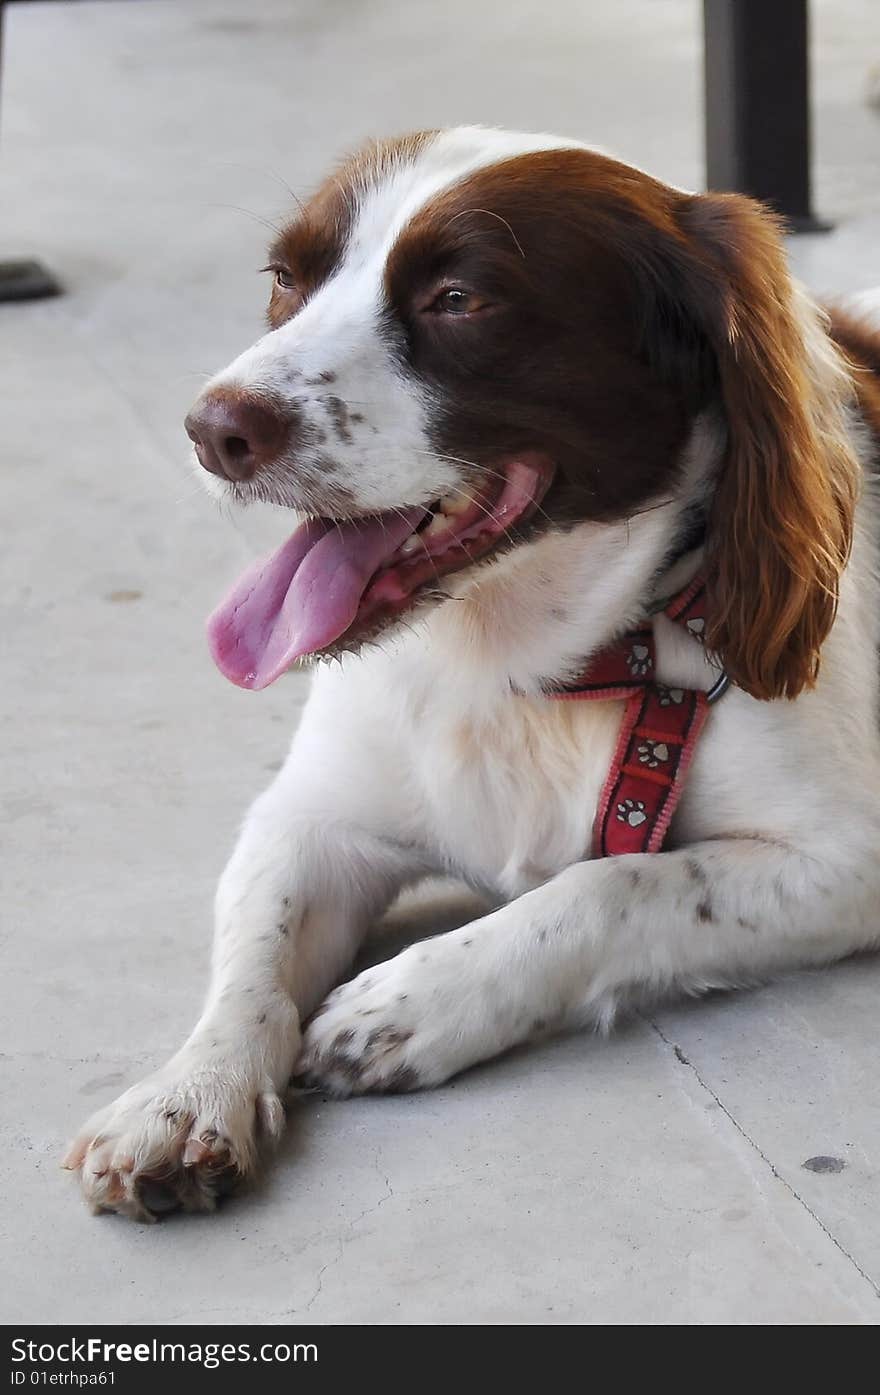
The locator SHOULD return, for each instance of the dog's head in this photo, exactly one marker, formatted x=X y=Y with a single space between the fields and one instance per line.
x=476 y=338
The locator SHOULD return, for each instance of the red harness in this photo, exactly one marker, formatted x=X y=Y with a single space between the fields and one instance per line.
x=658 y=735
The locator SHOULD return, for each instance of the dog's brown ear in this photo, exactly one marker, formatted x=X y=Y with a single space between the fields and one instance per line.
x=780 y=525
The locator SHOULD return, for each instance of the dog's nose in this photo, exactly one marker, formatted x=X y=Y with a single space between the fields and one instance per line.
x=235 y=432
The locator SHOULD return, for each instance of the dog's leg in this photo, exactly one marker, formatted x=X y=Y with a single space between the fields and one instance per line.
x=293 y=904
x=596 y=937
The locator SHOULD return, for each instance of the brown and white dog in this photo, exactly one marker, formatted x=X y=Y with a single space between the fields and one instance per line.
x=521 y=392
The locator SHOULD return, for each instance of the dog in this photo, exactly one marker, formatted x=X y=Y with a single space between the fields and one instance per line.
x=523 y=395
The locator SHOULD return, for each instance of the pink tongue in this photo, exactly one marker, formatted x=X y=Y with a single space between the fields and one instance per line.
x=302 y=597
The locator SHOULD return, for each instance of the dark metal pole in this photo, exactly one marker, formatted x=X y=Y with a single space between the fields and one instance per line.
x=757 y=103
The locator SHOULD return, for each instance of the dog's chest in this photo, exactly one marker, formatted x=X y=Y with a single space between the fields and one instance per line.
x=511 y=798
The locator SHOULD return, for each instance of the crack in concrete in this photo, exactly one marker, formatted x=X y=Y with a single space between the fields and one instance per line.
x=331 y=1263
x=341 y=1243
x=743 y=1133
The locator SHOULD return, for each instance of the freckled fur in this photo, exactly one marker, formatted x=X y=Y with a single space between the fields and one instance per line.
x=435 y=750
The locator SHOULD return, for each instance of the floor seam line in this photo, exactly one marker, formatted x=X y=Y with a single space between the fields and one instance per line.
x=792 y=1191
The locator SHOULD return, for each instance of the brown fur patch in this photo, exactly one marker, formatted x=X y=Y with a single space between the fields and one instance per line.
x=781 y=521
x=553 y=362
x=860 y=342
x=311 y=247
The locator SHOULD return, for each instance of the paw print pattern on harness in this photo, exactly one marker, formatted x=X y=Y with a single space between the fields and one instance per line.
x=653 y=753
x=639 y=660
x=670 y=696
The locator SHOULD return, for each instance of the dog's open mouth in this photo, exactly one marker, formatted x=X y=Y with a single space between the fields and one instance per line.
x=333 y=577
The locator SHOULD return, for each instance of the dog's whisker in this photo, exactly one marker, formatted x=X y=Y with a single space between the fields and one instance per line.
x=271 y=227
x=485 y=469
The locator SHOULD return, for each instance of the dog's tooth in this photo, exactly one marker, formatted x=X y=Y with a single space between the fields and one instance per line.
x=452 y=504
x=439 y=524
x=413 y=544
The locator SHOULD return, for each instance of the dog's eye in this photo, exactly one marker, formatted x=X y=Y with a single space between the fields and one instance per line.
x=454 y=300
x=283 y=279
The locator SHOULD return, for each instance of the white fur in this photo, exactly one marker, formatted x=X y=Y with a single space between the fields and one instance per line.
x=437 y=752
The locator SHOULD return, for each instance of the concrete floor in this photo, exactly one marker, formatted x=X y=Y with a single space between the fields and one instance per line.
x=657 y=1177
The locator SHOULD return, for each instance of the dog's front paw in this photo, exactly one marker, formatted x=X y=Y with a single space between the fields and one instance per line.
x=402 y=1025
x=180 y=1139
